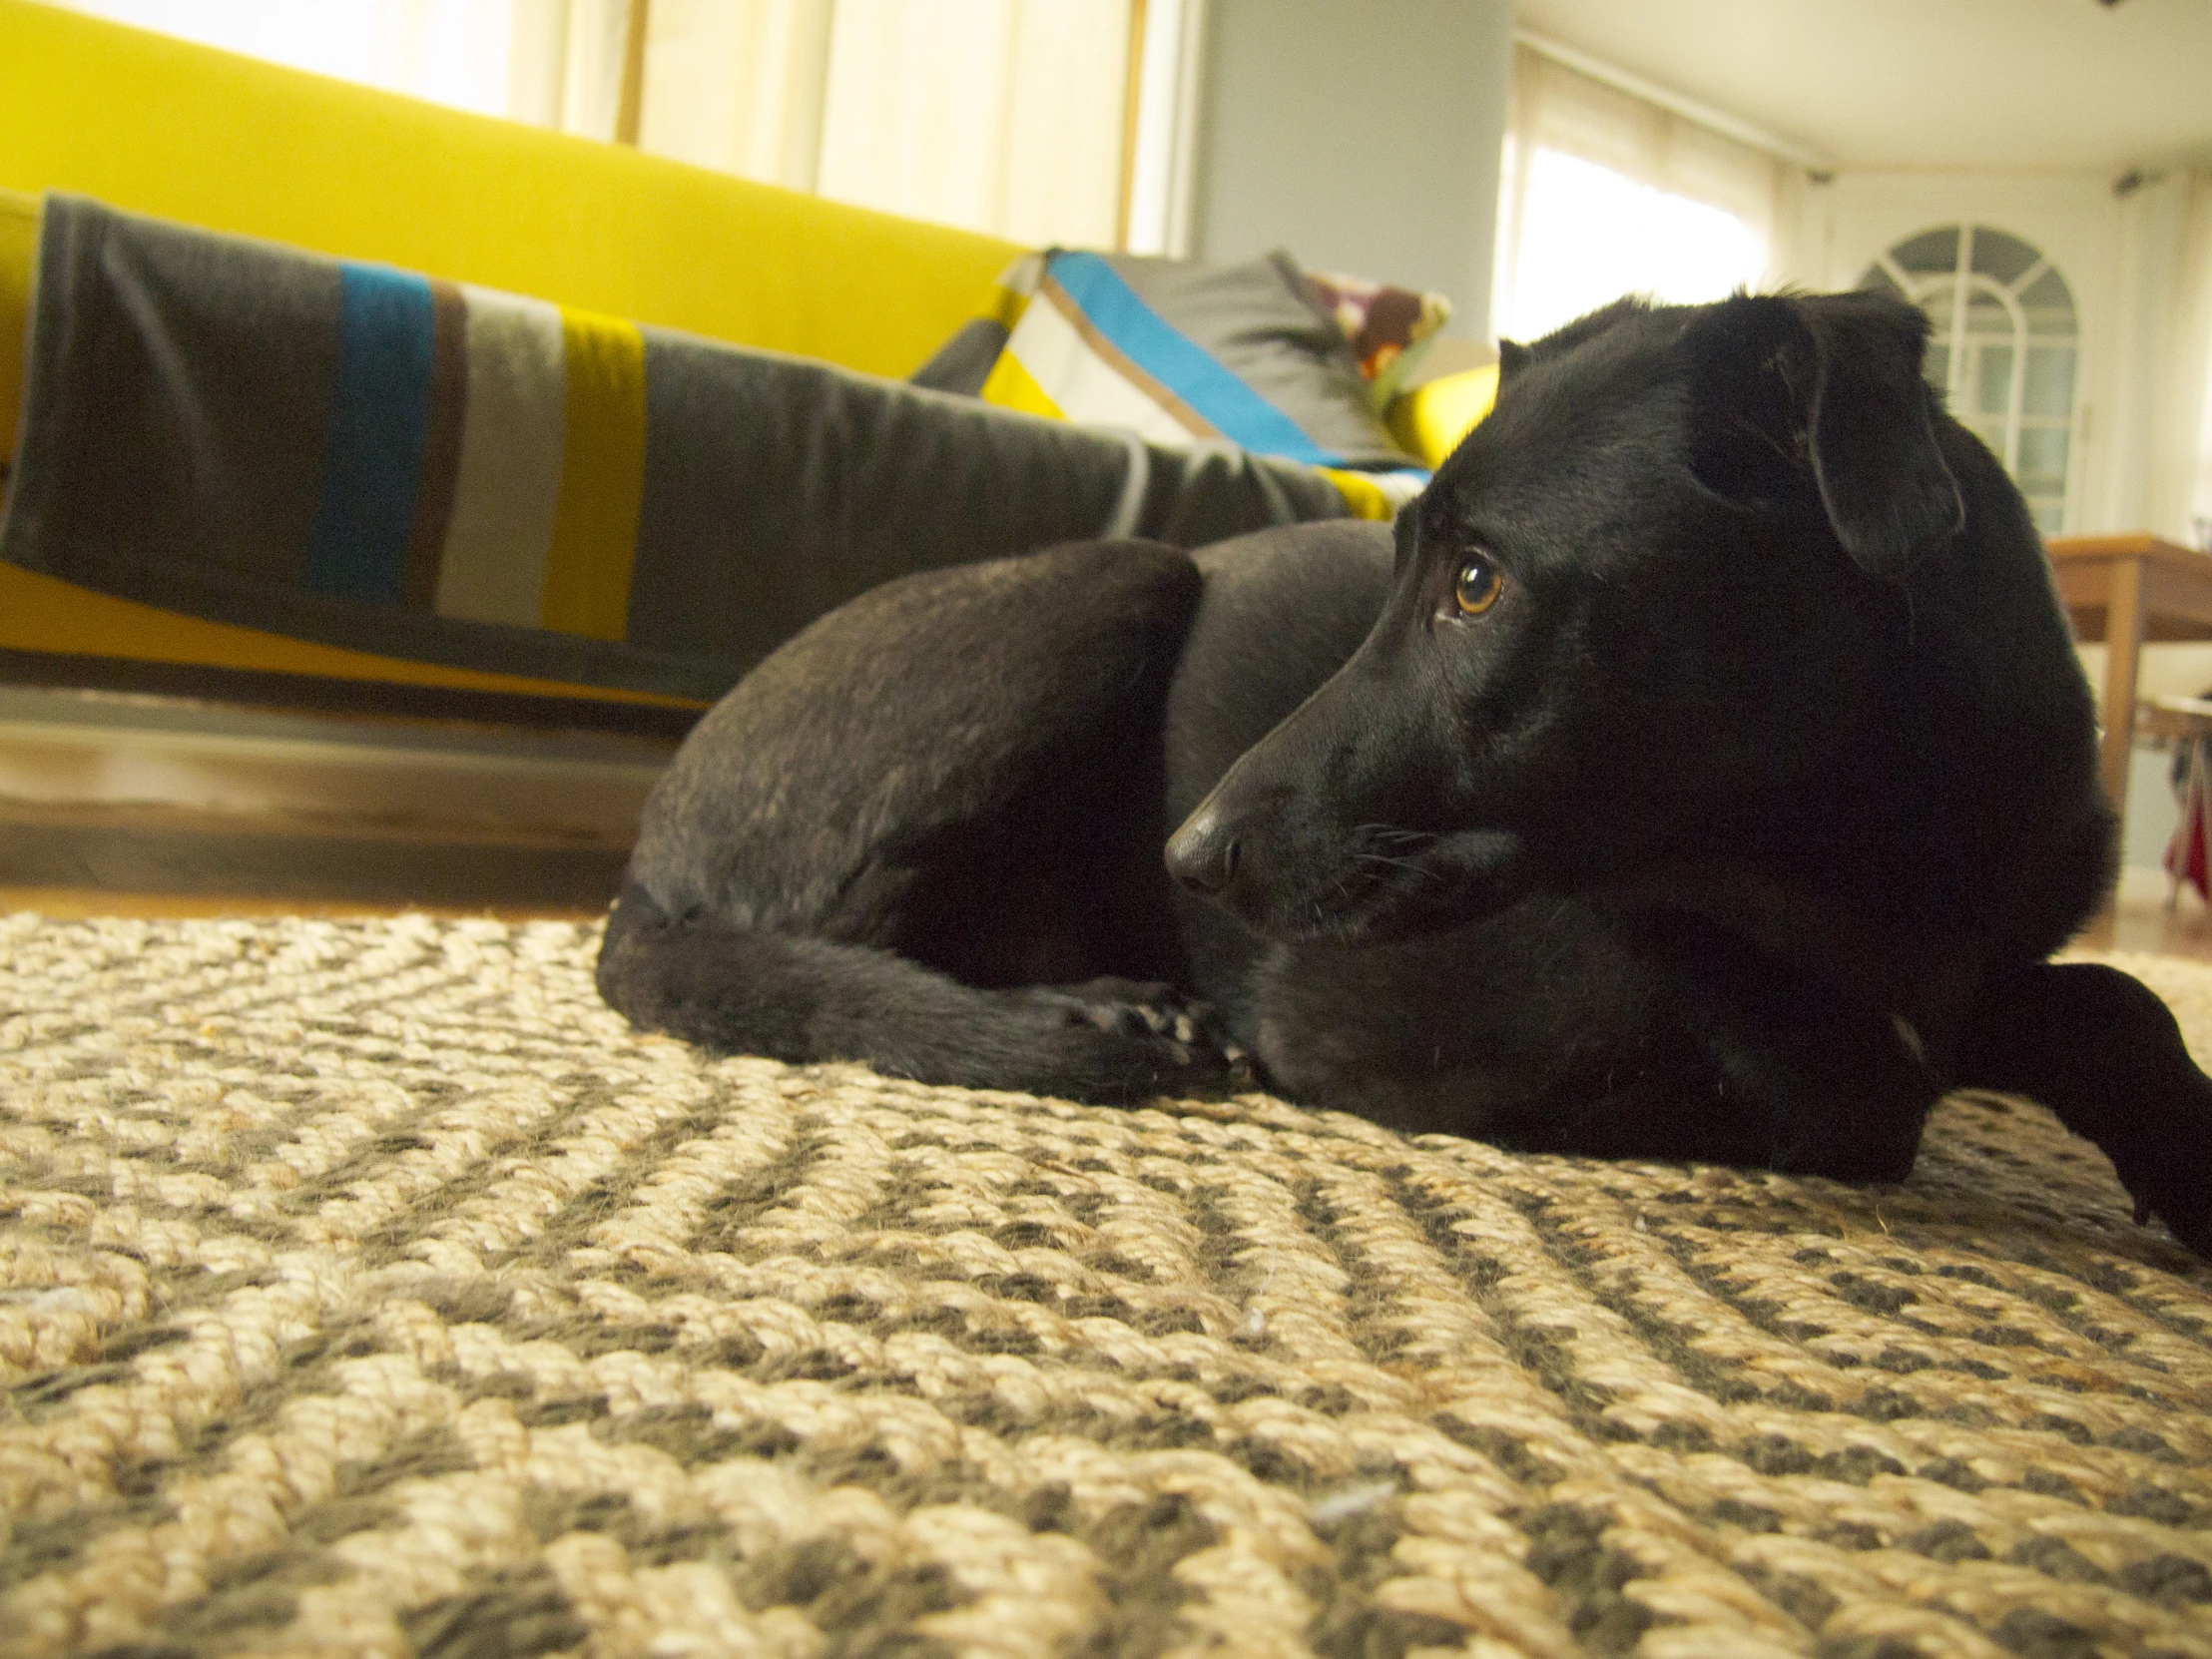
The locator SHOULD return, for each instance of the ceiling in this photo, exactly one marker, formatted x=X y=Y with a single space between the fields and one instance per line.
x=1967 y=84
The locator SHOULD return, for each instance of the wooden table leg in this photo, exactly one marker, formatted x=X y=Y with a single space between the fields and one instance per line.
x=2123 y=639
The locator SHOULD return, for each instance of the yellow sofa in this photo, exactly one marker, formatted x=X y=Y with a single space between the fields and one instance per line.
x=208 y=139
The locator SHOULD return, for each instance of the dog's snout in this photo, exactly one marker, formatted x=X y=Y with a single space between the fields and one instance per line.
x=1202 y=856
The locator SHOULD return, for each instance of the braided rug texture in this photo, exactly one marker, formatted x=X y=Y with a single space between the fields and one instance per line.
x=368 y=1288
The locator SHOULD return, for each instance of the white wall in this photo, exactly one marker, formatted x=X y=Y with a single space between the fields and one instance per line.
x=1362 y=138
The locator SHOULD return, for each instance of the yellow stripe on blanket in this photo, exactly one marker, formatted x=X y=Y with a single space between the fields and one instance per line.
x=1377 y=495
x=595 y=525
x=1364 y=498
x=1012 y=387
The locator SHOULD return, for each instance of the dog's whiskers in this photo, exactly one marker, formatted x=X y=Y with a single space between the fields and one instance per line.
x=1390 y=835
x=1389 y=862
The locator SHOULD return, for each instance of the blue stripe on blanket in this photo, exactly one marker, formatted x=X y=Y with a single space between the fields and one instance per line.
x=380 y=410
x=1234 y=410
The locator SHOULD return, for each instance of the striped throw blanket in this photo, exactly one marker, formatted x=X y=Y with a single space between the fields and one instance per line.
x=377 y=459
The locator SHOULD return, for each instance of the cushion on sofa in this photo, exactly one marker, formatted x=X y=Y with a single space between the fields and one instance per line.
x=1388 y=328
x=1181 y=352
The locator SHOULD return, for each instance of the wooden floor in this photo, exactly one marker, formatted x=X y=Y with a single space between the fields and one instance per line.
x=2146 y=915
x=167 y=807
x=2141 y=919
x=77 y=903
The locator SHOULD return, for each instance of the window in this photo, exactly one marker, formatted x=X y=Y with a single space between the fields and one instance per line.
x=455 y=52
x=1007 y=117
x=1590 y=234
x=2002 y=349
x=1607 y=193
x=999 y=115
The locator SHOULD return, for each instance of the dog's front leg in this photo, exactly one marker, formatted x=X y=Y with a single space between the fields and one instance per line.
x=2101 y=1050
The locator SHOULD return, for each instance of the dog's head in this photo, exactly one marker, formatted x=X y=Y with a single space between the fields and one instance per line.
x=1648 y=601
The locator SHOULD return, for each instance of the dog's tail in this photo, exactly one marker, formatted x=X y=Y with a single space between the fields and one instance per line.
x=2101 y=1050
x=801 y=999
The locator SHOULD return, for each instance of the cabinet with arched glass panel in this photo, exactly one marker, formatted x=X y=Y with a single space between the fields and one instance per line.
x=2003 y=348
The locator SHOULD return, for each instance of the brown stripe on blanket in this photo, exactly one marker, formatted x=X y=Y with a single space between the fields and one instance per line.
x=442 y=447
x=1176 y=410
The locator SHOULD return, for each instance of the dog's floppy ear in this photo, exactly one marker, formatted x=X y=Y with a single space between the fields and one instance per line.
x=1827 y=383
x=1889 y=492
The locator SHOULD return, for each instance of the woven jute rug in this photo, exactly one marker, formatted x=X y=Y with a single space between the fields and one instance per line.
x=370 y=1289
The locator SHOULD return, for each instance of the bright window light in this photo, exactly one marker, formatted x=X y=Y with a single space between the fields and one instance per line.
x=452 y=52
x=1590 y=234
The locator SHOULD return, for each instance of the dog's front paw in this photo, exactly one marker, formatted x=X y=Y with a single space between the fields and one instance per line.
x=2100 y=1049
x=1137 y=1007
x=2160 y=1144
x=1176 y=1044
x=2172 y=1184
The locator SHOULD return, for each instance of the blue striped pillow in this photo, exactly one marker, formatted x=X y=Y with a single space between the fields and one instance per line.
x=1181 y=352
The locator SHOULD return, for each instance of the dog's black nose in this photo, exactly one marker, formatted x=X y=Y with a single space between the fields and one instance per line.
x=1203 y=854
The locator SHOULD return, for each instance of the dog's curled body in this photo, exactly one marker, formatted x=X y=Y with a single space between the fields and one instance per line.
x=1703 y=770
x=930 y=800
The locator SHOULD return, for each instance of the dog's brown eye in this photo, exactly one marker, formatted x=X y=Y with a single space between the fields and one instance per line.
x=1479 y=586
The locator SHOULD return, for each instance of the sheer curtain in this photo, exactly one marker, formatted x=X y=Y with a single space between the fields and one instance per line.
x=1009 y=117
x=737 y=84
x=1002 y=115
x=553 y=63
x=1605 y=193
x=2182 y=465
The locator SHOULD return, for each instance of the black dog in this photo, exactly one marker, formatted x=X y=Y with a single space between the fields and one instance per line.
x=1707 y=773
